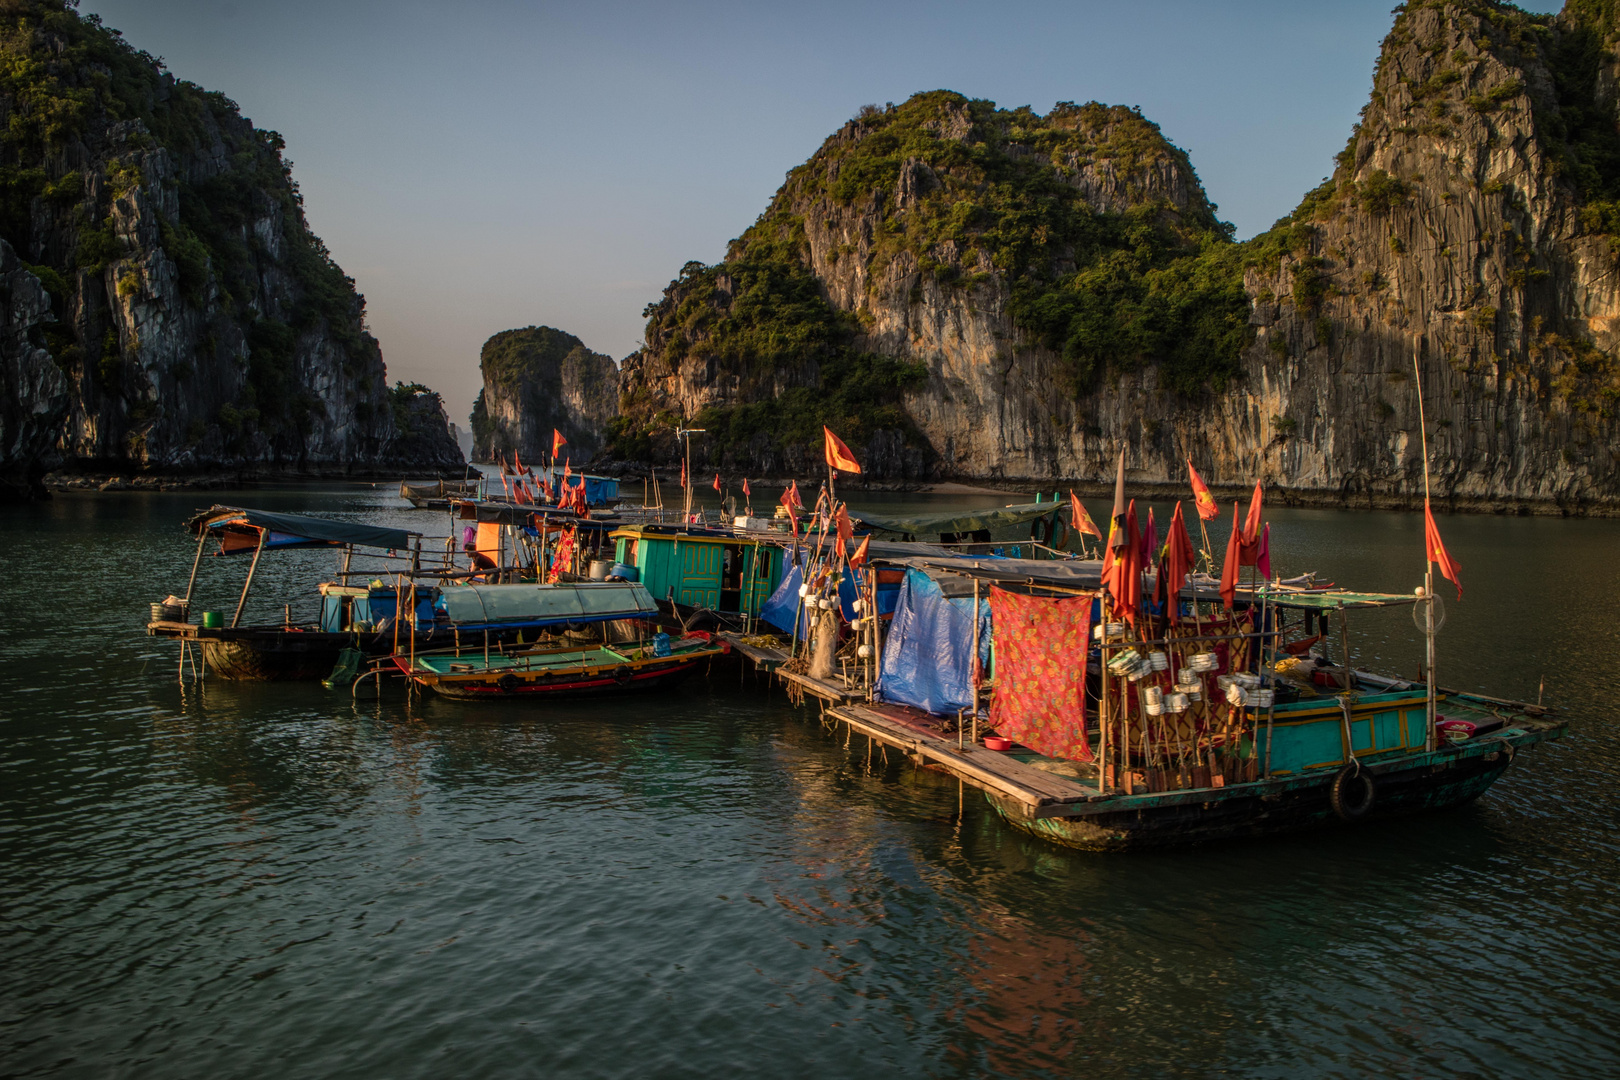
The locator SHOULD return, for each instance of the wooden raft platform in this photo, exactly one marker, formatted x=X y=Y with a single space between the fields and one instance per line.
x=834 y=693
x=764 y=658
x=167 y=628
x=1046 y=794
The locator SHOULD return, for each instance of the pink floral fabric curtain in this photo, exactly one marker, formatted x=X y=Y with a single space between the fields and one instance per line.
x=1041 y=647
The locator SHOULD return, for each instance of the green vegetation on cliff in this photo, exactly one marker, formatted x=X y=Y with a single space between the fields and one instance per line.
x=537 y=379
x=75 y=91
x=958 y=192
x=510 y=356
x=1151 y=279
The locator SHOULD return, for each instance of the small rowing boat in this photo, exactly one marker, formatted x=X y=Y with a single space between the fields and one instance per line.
x=607 y=668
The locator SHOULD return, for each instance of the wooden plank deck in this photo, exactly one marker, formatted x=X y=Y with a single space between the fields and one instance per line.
x=832 y=692
x=764 y=657
x=1046 y=794
x=166 y=628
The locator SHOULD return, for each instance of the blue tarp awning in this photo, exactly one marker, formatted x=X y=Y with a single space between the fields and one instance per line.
x=238 y=530
x=928 y=655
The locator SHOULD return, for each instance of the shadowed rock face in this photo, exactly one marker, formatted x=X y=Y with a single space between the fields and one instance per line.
x=1469 y=224
x=191 y=321
x=538 y=380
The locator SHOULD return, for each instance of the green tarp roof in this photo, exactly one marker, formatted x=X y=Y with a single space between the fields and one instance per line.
x=480 y=604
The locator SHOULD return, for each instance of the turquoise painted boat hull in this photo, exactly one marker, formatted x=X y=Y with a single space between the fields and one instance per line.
x=1405 y=784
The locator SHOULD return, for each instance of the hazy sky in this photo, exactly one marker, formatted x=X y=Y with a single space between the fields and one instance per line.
x=484 y=165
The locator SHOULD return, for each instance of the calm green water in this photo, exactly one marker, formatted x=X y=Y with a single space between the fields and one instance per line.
x=247 y=880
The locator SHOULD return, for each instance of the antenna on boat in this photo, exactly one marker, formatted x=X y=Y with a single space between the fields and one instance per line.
x=685 y=435
x=1428 y=565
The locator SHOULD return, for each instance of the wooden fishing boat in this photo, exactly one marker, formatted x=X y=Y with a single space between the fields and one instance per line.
x=625 y=667
x=1386 y=772
x=1276 y=738
x=388 y=614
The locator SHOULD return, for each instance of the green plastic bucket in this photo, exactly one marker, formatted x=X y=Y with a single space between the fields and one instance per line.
x=212 y=620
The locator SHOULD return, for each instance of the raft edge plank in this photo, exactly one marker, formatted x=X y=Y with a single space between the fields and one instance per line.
x=826 y=691
x=1003 y=775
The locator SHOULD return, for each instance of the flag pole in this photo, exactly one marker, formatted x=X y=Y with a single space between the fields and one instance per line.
x=1428 y=565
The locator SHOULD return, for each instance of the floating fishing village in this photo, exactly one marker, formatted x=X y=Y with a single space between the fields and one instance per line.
x=629 y=562
x=1130 y=701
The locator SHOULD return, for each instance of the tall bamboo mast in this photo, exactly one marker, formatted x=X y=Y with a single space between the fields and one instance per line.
x=1428 y=565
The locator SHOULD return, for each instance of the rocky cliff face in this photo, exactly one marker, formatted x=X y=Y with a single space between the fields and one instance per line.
x=1044 y=289
x=193 y=321
x=537 y=380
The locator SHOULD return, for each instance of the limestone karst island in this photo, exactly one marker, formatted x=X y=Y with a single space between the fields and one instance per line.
x=627 y=561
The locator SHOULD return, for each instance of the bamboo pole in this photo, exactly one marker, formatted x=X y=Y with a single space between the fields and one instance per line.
x=1102 y=698
x=202 y=538
x=248 y=584
x=1428 y=570
x=973 y=666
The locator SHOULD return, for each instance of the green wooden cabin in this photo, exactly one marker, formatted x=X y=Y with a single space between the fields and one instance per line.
x=699 y=570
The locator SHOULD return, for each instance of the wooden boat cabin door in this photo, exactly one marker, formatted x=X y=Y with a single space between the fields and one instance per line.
x=700 y=575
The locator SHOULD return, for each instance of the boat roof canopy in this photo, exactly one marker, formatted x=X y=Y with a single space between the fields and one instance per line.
x=1075 y=574
x=473 y=607
x=239 y=529
x=960 y=521
x=511 y=513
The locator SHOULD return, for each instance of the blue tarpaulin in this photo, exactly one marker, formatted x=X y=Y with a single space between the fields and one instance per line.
x=599 y=490
x=779 y=609
x=927 y=657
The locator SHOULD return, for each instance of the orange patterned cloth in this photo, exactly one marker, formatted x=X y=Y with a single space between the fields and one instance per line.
x=1041 y=648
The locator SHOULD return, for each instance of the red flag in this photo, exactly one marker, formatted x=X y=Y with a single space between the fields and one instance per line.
x=717 y=481
x=1251 y=524
x=1081 y=520
x=746 y=493
x=517 y=464
x=557 y=442
x=683 y=472
x=1178 y=562
x=1122 y=569
x=1150 y=541
x=838 y=455
x=1202 y=499
x=1435 y=550
x=1233 y=563
x=857 y=560
x=567 y=471
x=790 y=497
x=846 y=531
x=1262 y=559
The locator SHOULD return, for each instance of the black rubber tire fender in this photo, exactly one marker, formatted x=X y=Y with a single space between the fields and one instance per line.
x=507 y=683
x=1352 y=792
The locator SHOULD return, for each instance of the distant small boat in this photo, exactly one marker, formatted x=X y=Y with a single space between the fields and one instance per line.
x=609 y=668
x=436 y=495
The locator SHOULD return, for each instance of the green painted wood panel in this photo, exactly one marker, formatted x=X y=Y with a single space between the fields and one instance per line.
x=699 y=584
